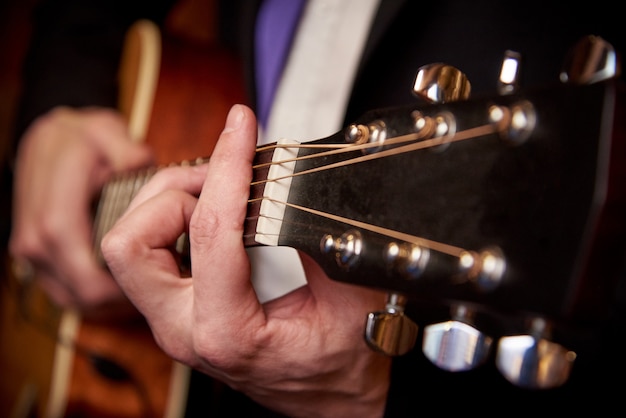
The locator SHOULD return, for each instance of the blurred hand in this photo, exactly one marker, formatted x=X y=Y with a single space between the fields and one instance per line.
x=302 y=354
x=64 y=159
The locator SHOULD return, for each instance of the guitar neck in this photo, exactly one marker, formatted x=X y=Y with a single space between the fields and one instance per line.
x=117 y=194
x=474 y=195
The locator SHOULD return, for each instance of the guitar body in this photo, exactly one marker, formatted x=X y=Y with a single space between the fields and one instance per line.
x=27 y=349
x=176 y=95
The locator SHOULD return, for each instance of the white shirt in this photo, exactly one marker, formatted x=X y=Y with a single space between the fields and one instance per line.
x=309 y=104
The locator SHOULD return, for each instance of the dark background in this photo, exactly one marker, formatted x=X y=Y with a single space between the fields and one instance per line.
x=15 y=27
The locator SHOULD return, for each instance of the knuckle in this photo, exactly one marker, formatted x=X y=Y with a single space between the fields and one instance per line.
x=30 y=244
x=215 y=352
x=115 y=246
x=204 y=226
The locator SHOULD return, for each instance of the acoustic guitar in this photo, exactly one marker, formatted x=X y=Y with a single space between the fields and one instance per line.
x=533 y=237
x=504 y=214
x=176 y=94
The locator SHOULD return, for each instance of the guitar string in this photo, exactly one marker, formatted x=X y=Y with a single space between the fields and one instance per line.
x=335 y=148
x=434 y=245
x=424 y=144
x=118 y=193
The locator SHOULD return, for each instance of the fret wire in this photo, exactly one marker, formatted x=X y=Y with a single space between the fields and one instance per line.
x=108 y=222
x=101 y=221
x=125 y=194
x=115 y=198
x=98 y=223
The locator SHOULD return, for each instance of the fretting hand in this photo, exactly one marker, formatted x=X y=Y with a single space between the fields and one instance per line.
x=64 y=159
x=302 y=354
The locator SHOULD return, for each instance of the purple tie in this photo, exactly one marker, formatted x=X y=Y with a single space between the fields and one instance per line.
x=276 y=22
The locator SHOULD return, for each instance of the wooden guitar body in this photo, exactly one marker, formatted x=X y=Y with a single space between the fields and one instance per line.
x=176 y=95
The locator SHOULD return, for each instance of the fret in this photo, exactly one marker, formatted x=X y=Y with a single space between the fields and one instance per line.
x=114 y=199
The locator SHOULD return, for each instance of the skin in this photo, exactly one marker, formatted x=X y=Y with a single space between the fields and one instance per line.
x=302 y=354
x=64 y=159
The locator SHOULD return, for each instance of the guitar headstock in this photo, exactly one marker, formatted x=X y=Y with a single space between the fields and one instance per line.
x=505 y=213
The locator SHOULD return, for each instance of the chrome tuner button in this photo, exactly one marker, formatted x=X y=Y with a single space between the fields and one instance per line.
x=390 y=331
x=377 y=136
x=409 y=260
x=515 y=123
x=346 y=249
x=356 y=134
x=591 y=60
x=533 y=362
x=485 y=269
x=508 y=82
x=455 y=345
x=441 y=83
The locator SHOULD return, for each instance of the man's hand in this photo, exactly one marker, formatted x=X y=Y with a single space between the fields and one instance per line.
x=64 y=159
x=302 y=354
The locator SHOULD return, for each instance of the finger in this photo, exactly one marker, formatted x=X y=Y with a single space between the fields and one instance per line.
x=220 y=266
x=91 y=284
x=59 y=293
x=185 y=178
x=138 y=252
x=147 y=234
x=52 y=224
x=52 y=204
x=66 y=233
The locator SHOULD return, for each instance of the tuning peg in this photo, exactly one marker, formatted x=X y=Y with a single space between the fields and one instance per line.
x=508 y=83
x=441 y=83
x=456 y=345
x=390 y=331
x=485 y=268
x=532 y=361
x=592 y=59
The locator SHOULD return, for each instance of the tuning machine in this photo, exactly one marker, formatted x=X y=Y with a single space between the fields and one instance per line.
x=390 y=331
x=509 y=80
x=456 y=345
x=532 y=360
x=441 y=83
x=591 y=60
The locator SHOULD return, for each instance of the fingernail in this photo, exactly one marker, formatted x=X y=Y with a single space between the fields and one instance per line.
x=234 y=118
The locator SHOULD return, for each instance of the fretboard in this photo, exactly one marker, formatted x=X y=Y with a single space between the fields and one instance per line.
x=117 y=194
